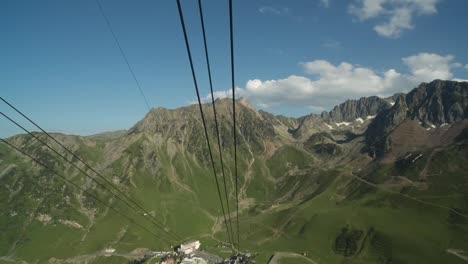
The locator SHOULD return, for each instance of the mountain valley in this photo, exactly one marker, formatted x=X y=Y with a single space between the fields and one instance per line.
x=374 y=180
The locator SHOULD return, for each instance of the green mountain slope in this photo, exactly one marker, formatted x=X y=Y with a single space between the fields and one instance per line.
x=310 y=185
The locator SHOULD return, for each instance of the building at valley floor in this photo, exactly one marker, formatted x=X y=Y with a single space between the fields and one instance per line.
x=188 y=248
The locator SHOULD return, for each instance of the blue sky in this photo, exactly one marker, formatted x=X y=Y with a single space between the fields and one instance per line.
x=61 y=66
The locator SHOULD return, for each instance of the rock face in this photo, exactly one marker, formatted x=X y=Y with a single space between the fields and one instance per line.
x=432 y=105
x=308 y=126
x=389 y=118
x=341 y=116
x=438 y=102
x=384 y=122
x=180 y=122
x=352 y=109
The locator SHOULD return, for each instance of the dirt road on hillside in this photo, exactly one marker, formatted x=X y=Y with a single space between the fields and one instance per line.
x=279 y=255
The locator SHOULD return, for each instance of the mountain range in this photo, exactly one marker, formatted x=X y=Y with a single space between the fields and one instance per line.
x=374 y=180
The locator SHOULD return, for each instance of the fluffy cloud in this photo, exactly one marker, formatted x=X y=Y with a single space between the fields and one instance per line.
x=222 y=95
x=368 y=9
x=427 y=67
x=332 y=79
x=400 y=20
x=398 y=13
x=326 y=84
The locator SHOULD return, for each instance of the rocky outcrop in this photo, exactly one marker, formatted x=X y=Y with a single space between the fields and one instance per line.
x=439 y=102
x=353 y=109
x=433 y=105
x=351 y=114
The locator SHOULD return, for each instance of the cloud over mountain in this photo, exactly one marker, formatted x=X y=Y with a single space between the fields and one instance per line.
x=325 y=83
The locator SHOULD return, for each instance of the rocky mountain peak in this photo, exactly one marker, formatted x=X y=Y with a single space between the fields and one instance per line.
x=184 y=124
x=439 y=102
x=353 y=109
x=247 y=104
x=431 y=105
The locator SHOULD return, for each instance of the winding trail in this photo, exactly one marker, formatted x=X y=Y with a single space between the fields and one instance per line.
x=407 y=196
x=243 y=200
x=458 y=252
x=423 y=174
x=91 y=257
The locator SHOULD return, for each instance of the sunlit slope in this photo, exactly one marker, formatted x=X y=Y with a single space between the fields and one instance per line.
x=375 y=222
x=310 y=185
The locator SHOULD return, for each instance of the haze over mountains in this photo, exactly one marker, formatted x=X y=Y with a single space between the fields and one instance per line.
x=374 y=180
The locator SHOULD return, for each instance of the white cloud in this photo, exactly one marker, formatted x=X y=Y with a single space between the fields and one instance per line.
x=222 y=95
x=466 y=66
x=329 y=84
x=269 y=10
x=426 y=67
x=332 y=79
x=425 y=7
x=400 y=20
x=369 y=9
x=398 y=13
x=460 y=80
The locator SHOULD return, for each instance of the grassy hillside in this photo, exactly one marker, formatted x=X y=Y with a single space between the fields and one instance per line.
x=295 y=197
